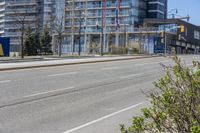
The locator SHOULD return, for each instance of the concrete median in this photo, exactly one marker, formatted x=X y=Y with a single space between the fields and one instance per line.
x=63 y=62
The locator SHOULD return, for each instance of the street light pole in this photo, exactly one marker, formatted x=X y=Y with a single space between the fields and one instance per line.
x=85 y=26
x=125 y=33
x=102 y=28
x=80 y=23
x=165 y=38
x=165 y=35
x=73 y=17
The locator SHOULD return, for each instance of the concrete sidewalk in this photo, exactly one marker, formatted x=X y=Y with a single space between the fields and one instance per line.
x=62 y=62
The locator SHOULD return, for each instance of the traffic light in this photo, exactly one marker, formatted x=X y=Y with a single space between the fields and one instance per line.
x=182 y=28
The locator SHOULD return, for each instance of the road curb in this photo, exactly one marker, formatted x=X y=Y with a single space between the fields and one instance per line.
x=74 y=63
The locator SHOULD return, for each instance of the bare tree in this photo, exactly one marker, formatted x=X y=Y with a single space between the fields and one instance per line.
x=59 y=30
x=19 y=16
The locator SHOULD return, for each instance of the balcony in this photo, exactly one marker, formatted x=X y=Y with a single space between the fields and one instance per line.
x=2 y=3
x=111 y=28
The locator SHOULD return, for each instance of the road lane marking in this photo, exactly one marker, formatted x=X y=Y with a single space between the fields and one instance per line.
x=103 y=118
x=167 y=61
x=42 y=93
x=132 y=75
x=5 y=81
x=110 y=68
x=62 y=74
x=143 y=64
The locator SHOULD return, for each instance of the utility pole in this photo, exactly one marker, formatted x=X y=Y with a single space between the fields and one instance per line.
x=165 y=35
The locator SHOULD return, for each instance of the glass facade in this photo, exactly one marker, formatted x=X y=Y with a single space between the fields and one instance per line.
x=2 y=16
x=132 y=13
x=130 y=16
x=157 y=9
x=46 y=11
x=12 y=13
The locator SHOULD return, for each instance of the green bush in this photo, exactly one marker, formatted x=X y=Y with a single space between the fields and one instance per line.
x=118 y=49
x=31 y=43
x=175 y=106
x=94 y=48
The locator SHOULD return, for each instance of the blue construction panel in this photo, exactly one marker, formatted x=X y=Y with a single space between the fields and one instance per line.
x=151 y=44
x=5 y=43
x=159 y=47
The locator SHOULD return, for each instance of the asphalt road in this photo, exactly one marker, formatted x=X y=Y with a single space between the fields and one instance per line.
x=89 y=98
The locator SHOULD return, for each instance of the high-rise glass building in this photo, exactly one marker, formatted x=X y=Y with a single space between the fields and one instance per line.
x=46 y=11
x=36 y=14
x=157 y=8
x=14 y=14
x=91 y=12
x=118 y=17
x=81 y=18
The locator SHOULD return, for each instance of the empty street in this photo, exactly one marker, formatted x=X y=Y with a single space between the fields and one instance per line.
x=87 y=98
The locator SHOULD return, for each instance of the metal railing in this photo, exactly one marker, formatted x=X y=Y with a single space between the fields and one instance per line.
x=112 y=29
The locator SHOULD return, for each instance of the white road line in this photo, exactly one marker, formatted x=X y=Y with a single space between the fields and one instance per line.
x=103 y=118
x=42 y=93
x=167 y=61
x=62 y=74
x=110 y=68
x=132 y=75
x=5 y=81
x=143 y=64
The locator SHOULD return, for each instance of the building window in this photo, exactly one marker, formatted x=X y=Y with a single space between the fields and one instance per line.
x=186 y=31
x=197 y=35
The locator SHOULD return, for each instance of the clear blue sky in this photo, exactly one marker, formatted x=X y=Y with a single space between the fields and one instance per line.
x=190 y=7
